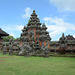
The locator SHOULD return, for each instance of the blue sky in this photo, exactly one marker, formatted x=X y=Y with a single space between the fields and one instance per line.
x=58 y=15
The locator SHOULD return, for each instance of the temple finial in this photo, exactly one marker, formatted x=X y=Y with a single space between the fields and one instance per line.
x=34 y=11
x=43 y=23
x=63 y=35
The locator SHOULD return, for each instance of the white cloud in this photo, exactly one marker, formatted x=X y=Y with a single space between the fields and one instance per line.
x=57 y=26
x=12 y=34
x=74 y=36
x=13 y=30
x=19 y=27
x=64 y=5
x=28 y=11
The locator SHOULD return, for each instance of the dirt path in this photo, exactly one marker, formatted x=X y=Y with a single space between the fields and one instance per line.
x=1 y=60
x=4 y=57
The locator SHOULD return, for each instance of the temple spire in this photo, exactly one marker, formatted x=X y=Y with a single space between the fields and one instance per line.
x=63 y=35
x=33 y=11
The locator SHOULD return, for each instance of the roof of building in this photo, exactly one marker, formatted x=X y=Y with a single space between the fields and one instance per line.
x=69 y=37
x=3 y=33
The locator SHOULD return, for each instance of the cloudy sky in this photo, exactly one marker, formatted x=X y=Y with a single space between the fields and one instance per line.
x=58 y=15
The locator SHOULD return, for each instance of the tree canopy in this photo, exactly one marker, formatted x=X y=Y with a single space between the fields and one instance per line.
x=7 y=38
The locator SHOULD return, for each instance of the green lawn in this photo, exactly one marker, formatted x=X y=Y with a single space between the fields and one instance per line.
x=20 y=65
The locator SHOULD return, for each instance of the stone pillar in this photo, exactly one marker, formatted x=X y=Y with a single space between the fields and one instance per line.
x=4 y=49
x=71 y=48
x=54 y=48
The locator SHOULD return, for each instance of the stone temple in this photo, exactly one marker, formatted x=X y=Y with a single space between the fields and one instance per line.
x=35 y=31
x=35 y=40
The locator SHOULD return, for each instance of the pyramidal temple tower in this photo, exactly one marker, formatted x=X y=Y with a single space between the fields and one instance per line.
x=35 y=31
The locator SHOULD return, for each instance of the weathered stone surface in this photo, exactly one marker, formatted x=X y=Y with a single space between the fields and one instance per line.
x=4 y=50
x=36 y=36
x=11 y=42
x=63 y=44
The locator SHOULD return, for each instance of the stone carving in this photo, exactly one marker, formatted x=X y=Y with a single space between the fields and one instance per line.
x=19 y=48
x=4 y=50
x=11 y=42
x=63 y=43
x=46 y=51
x=22 y=52
x=28 y=49
x=25 y=49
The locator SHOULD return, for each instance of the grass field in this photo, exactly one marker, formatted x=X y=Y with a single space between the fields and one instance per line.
x=20 y=65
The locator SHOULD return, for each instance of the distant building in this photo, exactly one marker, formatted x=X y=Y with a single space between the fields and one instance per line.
x=70 y=37
x=3 y=33
x=67 y=42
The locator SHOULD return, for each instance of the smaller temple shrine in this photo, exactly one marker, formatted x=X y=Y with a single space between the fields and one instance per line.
x=66 y=44
x=63 y=44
